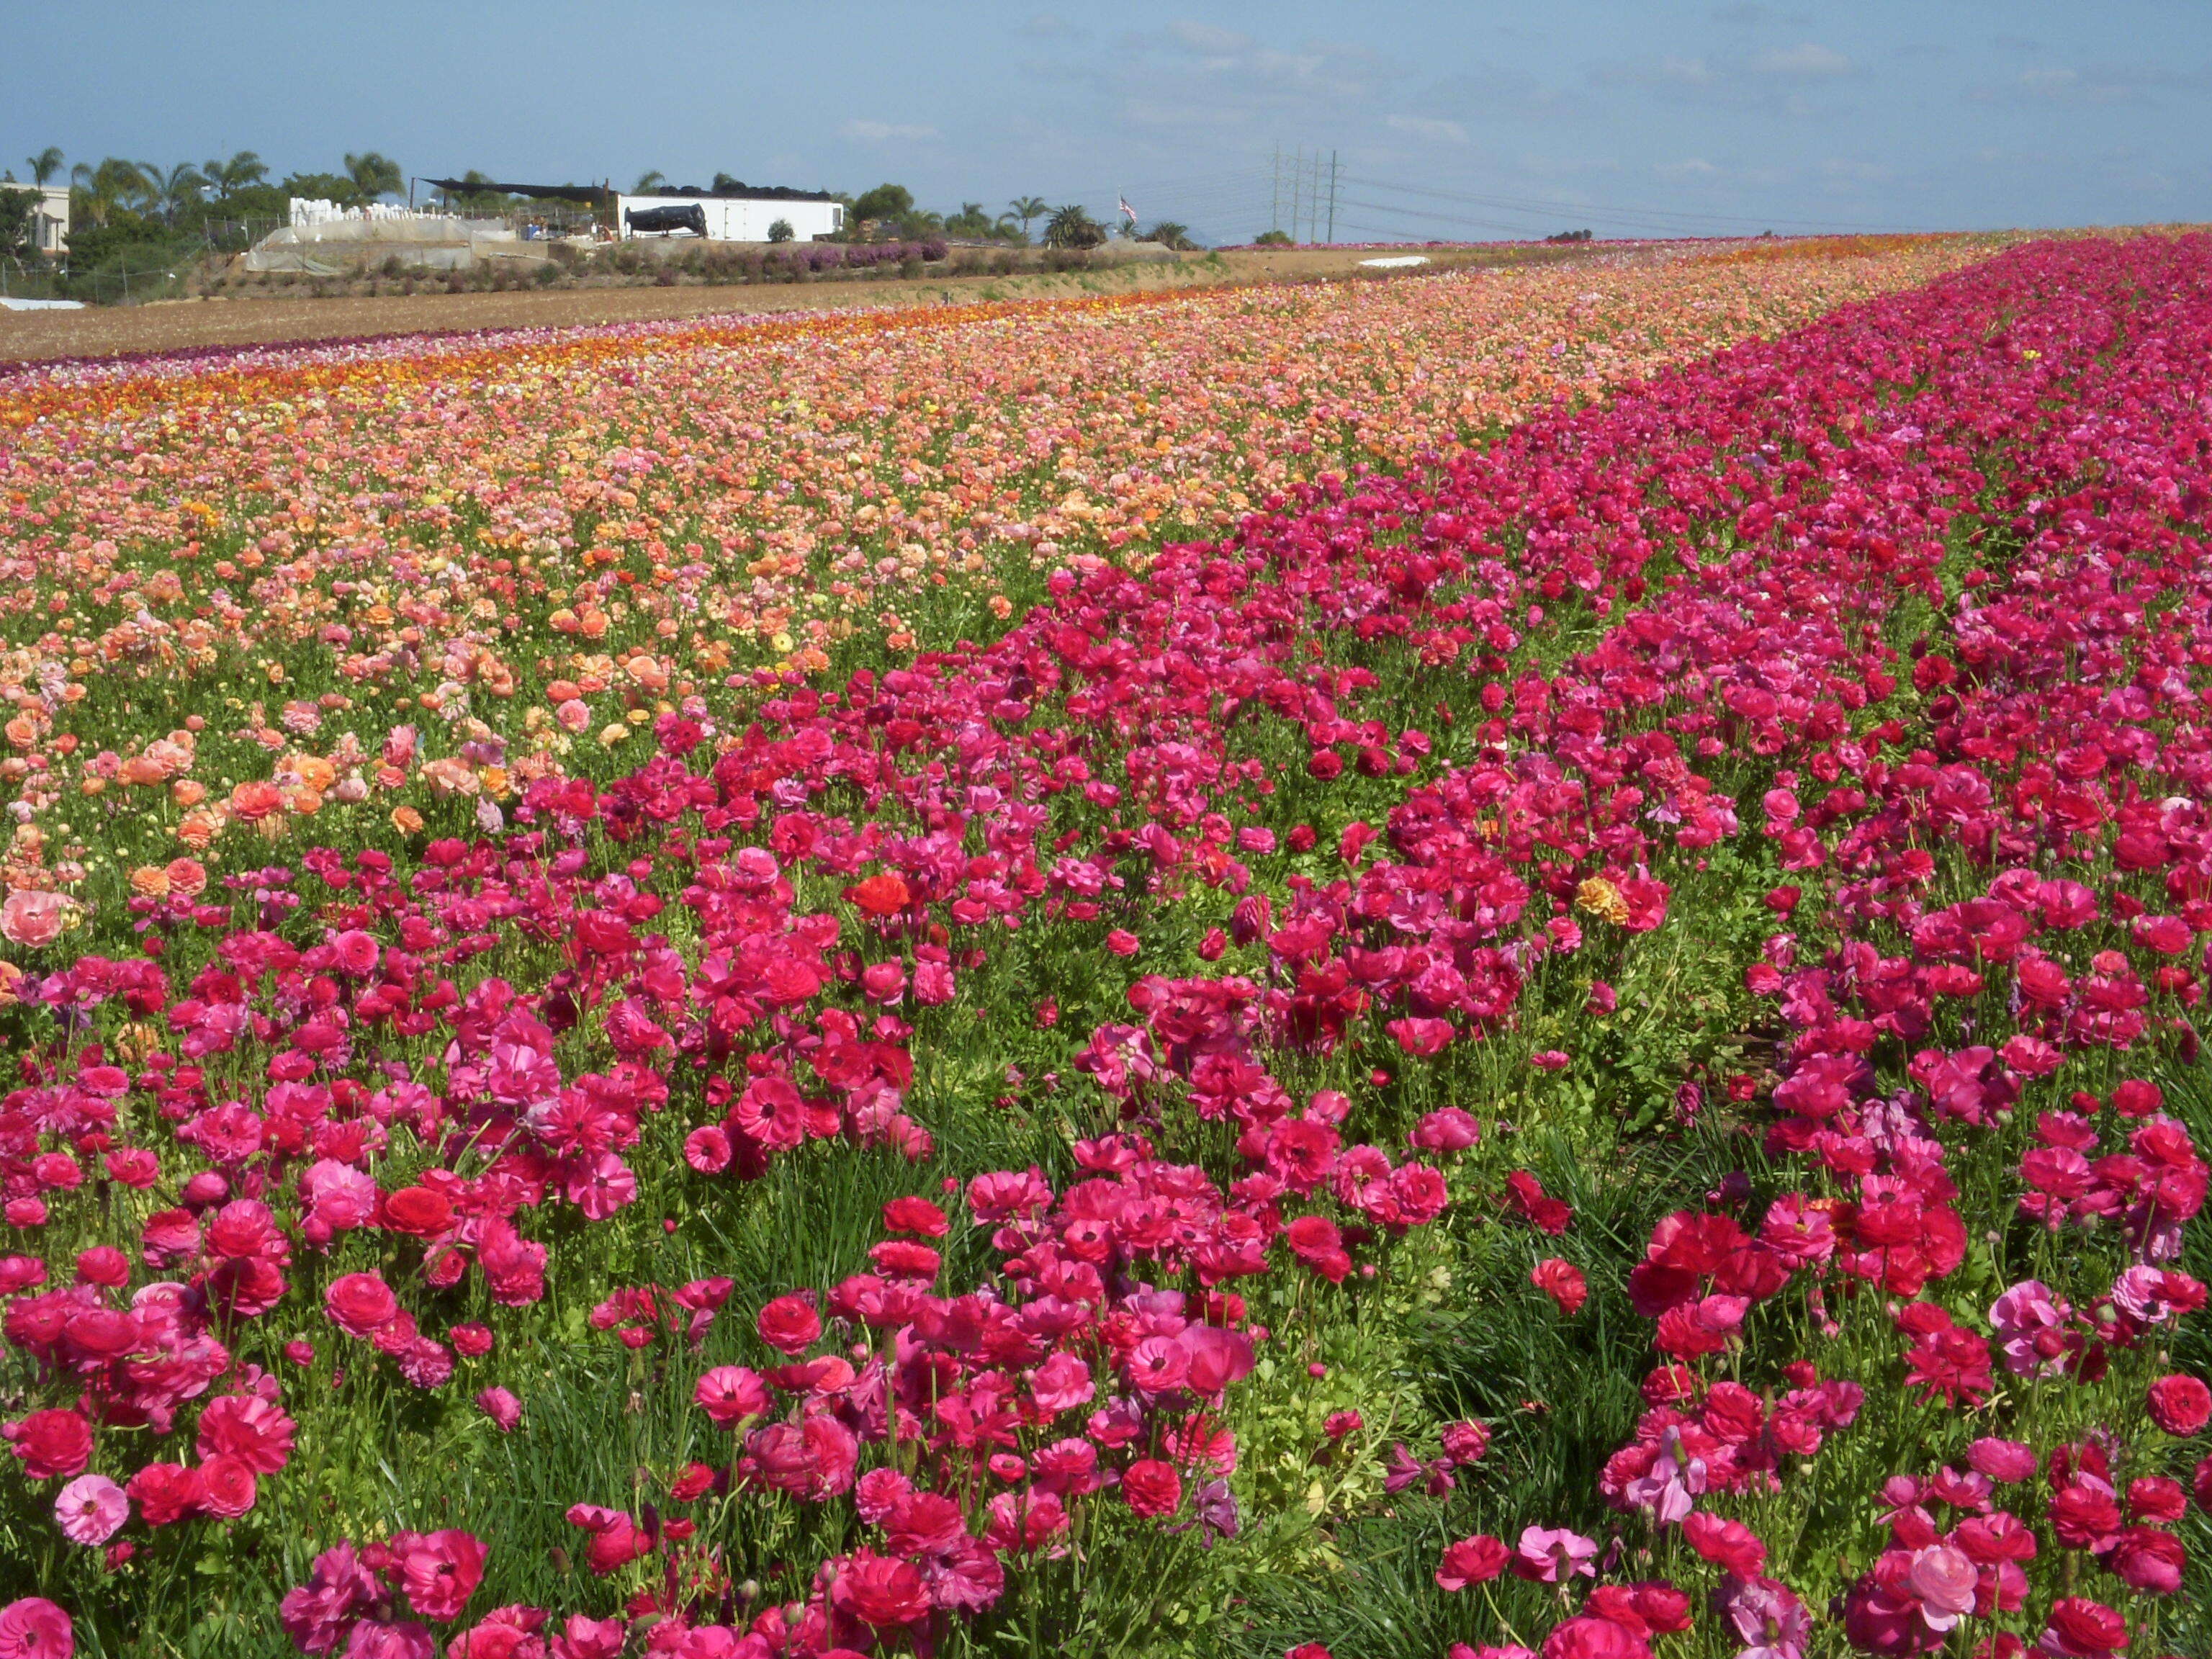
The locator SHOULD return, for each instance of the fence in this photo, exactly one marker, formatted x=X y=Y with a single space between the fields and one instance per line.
x=160 y=275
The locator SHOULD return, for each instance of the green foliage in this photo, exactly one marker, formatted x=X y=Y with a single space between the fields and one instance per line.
x=18 y=207
x=1272 y=239
x=1072 y=226
x=885 y=200
x=781 y=231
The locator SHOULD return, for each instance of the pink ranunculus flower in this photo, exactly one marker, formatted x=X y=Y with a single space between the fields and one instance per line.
x=34 y=919
x=1944 y=1580
x=91 y=1510
x=1552 y=1554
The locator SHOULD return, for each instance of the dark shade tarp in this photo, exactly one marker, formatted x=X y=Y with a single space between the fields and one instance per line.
x=742 y=192
x=589 y=193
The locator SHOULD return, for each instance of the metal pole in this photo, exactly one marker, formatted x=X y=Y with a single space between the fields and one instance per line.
x=1332 y=196
x=1275 y=204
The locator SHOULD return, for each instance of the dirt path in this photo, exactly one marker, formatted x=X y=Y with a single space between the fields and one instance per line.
x=185 y=324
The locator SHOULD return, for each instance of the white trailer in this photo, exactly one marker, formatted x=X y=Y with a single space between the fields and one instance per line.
x=741 y=218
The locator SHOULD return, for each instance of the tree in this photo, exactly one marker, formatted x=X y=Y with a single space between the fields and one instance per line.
x=884 y=202
x=648 y=182
x=107 y=187
x=973 y=221
x=1026 y=207
x=781 y=231
x=375 y=175
x=1072 y=226
x=1272 y=239
x=242 y=171
x=1168 y=234
x=17 y=208
x=318 y=186
x=173 y=190
x=46 y=163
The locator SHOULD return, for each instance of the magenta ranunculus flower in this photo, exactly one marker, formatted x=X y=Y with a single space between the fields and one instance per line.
x=2180 y=1404
x=35 y=1628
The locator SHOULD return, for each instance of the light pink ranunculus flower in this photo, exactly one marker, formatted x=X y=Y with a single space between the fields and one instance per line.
x=34 y=919
x=1944 y=1580
x=92 y=1510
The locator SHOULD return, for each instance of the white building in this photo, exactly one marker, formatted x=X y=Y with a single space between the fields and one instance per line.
x=50 y=217
x=741 y=218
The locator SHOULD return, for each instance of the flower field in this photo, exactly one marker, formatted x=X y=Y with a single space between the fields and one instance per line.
x=1491 y=966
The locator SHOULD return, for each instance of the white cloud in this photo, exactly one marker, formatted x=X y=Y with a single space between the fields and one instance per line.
x=1693 y=72
x=2111 y=83
x=1808 y=59
x=1692 y=168
x=1423 y=126
x=877 y=132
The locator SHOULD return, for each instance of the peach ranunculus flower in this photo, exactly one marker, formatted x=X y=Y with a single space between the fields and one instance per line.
x=188 y=792
x=34 y=919
x=150 y=881
x=199 y=829
x=449 y=775
x=188 y=877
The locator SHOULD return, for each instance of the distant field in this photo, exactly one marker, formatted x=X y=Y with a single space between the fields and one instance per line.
x=283 y=316
x=185 y=324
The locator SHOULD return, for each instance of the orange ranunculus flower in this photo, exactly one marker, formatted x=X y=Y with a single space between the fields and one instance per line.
x=188 y=792
x=315 y=773
x=880 y=895
x=188 y=877
x=406 y=820
x=150 y=881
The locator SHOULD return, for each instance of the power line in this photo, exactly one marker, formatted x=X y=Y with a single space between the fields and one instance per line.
x=1541 y=204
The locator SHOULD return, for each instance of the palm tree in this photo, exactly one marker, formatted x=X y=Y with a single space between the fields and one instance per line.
x=648 y=182
x=375 y=175
x=1026 y=207
x=1169 y=234
x=106 y=186
x=241 y=171
x=149 y=193
x=1072 y=226
x=175 y=189
x=46 y=163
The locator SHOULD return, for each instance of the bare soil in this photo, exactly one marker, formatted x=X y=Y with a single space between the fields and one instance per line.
x=178 y=324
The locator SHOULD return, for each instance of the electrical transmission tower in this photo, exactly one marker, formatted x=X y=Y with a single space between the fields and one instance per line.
x=1304 y=177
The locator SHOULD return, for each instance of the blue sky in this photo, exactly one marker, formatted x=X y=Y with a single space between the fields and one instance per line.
x=1452 y=120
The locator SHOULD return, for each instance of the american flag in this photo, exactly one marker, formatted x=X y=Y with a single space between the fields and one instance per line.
x=1127 y=212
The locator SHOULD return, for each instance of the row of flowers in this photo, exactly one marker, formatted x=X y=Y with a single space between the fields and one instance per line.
x=1775 y=596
